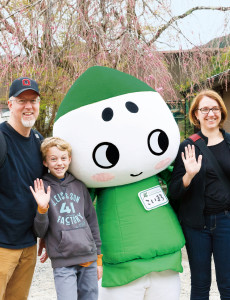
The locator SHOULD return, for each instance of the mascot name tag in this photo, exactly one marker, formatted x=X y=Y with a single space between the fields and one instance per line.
x=153 y=198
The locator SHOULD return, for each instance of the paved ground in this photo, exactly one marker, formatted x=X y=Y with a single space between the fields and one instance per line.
x=43 y=284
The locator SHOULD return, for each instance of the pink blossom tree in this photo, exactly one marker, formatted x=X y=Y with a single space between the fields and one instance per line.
x=55 y=41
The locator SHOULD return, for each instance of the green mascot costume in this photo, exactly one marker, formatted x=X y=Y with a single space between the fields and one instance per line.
x=124 y=137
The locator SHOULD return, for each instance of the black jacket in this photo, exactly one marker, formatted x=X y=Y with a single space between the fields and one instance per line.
x=190 y=201
x=22 y=165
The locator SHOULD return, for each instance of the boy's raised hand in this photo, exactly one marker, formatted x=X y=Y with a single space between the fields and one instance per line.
x=42 y=198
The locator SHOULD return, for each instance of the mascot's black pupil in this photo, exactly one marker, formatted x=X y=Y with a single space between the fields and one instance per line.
x=112 y=154
x=163 y=141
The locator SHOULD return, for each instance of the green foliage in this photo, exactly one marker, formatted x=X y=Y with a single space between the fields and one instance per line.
x=221 y=63
x=220 y=42
x=186 y=129
x=195 y=77
x=53 y=87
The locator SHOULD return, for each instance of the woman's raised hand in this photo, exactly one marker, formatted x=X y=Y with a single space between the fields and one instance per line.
x=191 y=164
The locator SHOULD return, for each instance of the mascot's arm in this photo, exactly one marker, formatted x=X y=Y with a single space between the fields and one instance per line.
x=176 y=187
x=93 y=193
x=177 y=191
x=166 y=176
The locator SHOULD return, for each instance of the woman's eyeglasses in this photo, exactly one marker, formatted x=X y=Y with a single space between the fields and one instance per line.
x=206 y=110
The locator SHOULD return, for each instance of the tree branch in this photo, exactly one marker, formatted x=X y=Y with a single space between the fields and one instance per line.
x=176 y=18
x=20 y=9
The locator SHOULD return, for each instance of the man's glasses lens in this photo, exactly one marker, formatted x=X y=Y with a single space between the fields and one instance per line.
x=22 y=101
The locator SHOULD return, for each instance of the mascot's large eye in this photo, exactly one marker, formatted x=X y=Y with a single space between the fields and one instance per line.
x=105 y=155
x=158 y=142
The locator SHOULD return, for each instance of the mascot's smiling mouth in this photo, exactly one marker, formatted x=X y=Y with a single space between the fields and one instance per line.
x=134 y=175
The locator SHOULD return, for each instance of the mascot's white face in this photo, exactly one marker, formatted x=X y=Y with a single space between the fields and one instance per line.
x=120 y=140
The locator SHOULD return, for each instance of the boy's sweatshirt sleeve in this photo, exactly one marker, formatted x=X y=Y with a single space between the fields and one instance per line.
x=91 y=217
x=41 y=223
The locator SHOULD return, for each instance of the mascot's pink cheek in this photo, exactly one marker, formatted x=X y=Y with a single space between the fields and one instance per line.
x=162 y=164
x=102 y=177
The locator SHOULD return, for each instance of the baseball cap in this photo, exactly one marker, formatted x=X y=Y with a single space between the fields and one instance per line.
x=23 y=84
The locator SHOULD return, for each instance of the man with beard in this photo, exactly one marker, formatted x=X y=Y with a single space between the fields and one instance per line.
x=22 y=165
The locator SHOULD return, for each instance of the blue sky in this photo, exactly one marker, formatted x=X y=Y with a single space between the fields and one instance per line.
x=200 y=27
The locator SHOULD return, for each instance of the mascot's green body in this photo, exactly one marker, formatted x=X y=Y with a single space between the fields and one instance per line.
x=123 y=138
x=134 y=245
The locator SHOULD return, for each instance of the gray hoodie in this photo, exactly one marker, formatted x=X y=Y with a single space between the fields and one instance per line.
x=70 y=226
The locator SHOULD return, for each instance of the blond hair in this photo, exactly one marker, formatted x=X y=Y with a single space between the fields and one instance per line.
x=54 y=142
x=195 y=103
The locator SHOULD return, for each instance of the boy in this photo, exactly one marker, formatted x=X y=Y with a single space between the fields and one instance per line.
x=67 y=220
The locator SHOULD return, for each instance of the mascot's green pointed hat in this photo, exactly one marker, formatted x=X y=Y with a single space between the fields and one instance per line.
x=99 y=83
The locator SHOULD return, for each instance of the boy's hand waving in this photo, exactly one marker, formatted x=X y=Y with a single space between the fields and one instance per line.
x=42 y=198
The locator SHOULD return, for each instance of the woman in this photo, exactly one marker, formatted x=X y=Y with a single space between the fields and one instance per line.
x=204 y=205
